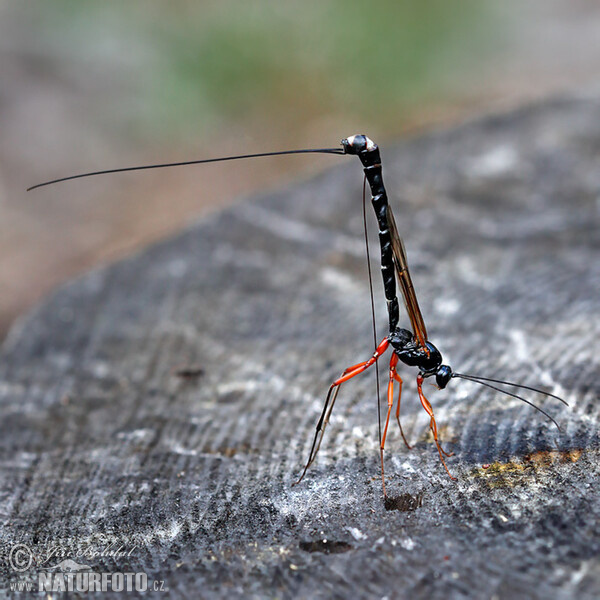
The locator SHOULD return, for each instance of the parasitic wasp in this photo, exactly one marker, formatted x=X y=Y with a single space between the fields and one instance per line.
x=411 y=347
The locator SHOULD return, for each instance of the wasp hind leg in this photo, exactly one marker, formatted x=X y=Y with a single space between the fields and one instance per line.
x=332 y=394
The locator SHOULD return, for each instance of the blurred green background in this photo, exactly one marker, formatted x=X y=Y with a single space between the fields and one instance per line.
x=89 y=85
x=191 y=69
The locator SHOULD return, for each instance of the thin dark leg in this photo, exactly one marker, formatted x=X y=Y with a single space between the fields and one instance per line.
x=349 y=373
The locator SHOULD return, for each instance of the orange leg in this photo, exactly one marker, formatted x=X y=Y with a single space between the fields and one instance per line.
x=334 y=389
x=399 y=380
x=390 y=396
x=351 y=372
x=432 y=424
x=390 y=403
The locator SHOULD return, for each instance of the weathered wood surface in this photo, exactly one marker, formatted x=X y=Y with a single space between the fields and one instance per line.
x=102 y=444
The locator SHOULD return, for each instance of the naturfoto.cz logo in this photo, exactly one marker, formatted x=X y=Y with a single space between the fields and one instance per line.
x=71 y=576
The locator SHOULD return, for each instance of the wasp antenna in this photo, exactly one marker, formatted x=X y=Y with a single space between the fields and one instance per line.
x=190 y=162
x=518 y=385
x=474 y=380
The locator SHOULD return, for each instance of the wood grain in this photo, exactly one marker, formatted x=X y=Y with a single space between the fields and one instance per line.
x=103 y=443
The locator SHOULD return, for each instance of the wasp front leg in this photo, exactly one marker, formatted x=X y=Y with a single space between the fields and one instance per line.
x=432 y=424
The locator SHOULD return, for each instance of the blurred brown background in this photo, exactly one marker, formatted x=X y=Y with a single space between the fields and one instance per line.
x=87 y=86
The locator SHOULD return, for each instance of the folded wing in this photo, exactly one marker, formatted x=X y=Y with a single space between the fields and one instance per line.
x=405 y=283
